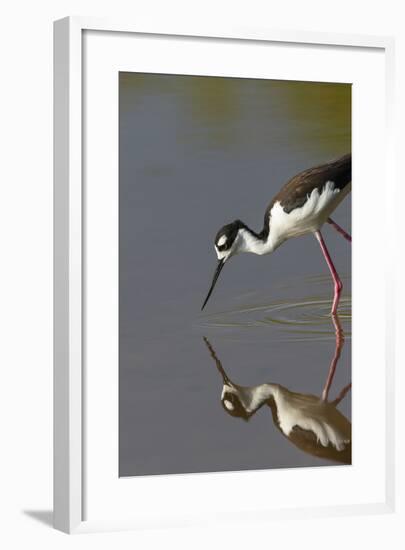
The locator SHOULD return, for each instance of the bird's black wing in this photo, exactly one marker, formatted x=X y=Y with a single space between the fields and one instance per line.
x=295 y=192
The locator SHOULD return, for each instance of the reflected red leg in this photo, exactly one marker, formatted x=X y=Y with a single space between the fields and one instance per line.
x=341 y=394
x=338 y=349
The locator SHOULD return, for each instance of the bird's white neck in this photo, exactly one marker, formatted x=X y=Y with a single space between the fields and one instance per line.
x=255 y=244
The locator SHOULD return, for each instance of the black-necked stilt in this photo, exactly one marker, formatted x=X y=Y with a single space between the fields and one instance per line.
x=311 y=423
x=302 y=206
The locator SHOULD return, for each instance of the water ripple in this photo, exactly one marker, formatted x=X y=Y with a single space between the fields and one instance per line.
x=294 y=319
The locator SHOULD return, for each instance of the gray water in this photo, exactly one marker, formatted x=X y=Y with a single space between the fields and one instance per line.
x=196 y=153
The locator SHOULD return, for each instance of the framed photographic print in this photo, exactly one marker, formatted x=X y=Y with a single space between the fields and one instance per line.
x=213 y=193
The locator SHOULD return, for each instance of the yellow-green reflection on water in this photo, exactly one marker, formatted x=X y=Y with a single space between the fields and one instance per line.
x=270 y=112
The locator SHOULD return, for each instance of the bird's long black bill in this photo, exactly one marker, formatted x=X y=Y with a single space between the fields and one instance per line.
x=214 y=280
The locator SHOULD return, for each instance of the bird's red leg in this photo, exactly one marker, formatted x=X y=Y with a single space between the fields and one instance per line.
x=340 y=230
x=336 y=279
x=338 y=349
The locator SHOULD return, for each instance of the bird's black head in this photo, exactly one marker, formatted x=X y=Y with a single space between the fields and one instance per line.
x=225 y=238
x=226 y=245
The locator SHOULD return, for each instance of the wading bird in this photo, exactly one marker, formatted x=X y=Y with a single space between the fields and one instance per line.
x=302 y=206
x=311 y=423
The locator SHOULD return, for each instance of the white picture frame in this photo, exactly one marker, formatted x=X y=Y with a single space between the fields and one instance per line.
x=71 y=433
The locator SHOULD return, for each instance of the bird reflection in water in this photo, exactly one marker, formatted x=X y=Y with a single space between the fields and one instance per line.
x=313 y=424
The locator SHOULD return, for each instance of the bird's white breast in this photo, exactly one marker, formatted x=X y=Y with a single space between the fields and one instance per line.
x=306 y=219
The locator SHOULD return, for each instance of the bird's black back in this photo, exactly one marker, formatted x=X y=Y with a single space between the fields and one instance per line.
x=295 y=192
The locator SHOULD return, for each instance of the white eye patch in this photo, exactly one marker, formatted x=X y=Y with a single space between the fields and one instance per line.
x=228 y=405
x=222 y=240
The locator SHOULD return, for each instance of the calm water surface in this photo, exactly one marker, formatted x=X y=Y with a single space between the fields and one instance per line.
x=196 y=153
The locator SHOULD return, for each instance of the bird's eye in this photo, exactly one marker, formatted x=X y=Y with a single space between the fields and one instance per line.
x=222 y=242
